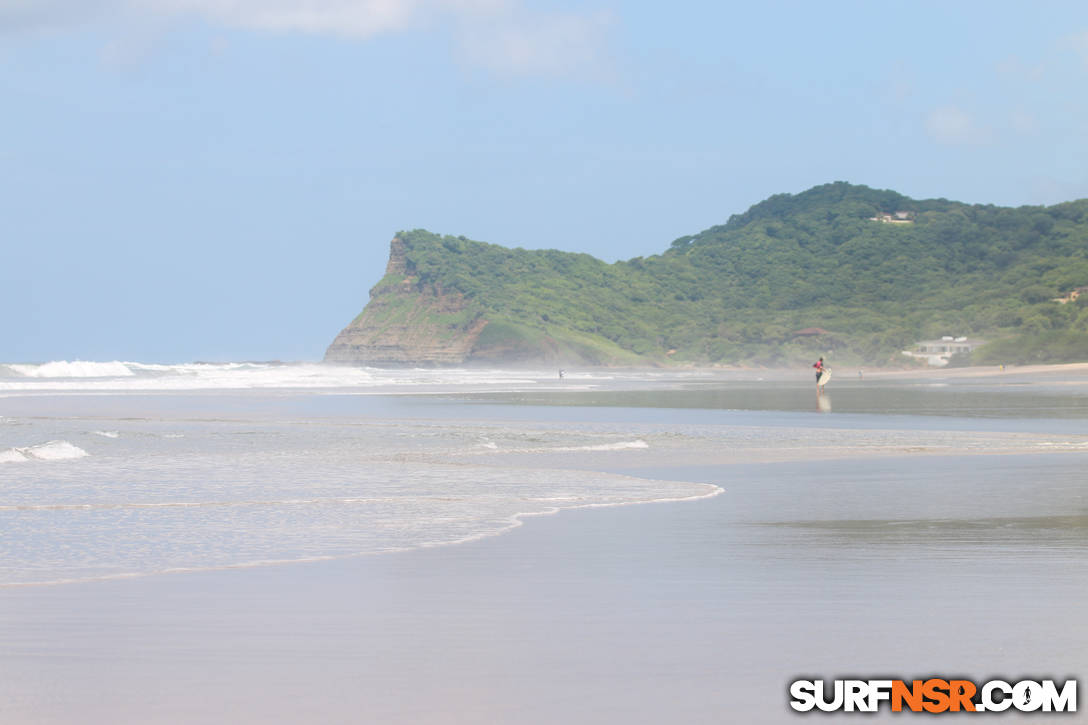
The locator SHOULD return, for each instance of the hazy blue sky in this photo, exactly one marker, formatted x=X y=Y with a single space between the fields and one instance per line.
x=219 y=179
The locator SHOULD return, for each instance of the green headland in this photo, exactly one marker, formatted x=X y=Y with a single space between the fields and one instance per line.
x=843 y=270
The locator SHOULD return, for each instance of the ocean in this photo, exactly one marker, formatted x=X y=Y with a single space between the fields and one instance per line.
x=896 y=524
x=113 y=470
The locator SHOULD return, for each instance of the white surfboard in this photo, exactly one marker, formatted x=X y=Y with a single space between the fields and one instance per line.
x=824 y=377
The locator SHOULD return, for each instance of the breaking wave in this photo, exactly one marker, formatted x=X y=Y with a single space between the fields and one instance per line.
x=51 y=451
x=119 y=376
x=73 y=369
x=619 y=446
x=635 y=445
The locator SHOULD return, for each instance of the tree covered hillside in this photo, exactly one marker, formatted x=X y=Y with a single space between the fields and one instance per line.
x=872 y=270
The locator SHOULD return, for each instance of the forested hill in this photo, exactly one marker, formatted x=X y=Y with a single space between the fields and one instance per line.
x=872 y=271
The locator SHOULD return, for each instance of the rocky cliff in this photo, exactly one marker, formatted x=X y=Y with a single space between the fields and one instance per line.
x=408 y=322
x=746 y=292
x=423 y=312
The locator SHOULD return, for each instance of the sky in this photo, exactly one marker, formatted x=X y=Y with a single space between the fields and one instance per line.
x=219 y=179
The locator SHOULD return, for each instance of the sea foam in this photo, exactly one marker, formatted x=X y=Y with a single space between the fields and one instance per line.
x=74 y=369
x=81 y=376
x=50 y=451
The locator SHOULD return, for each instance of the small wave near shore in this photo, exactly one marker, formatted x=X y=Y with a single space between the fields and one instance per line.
x=49 y=451
x=78 y=376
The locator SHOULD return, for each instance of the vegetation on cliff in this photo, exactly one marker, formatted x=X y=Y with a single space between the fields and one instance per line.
x=839 y=268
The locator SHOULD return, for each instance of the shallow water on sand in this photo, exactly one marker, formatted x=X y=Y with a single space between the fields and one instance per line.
x=117 y=485
x=111 y=496
x=895 y=528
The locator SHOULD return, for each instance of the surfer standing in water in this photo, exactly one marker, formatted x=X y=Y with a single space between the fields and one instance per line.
x=819 y=365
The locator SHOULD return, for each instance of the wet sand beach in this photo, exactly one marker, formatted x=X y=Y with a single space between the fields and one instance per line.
x=908 y=532
x=695 y=612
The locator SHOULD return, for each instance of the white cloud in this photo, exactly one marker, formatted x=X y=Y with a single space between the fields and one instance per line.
x=1078 y=43
x=351 y=18
x=517 y=42
x=502 y=36
x=1013 y=68
x=952 y=125
x=1024 y=121
x=17 y=15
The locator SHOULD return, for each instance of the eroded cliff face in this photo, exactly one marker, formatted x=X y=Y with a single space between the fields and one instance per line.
x=408 y=323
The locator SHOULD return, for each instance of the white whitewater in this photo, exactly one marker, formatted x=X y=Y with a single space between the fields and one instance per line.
x=156 y=493
x=49 y=451
x=63 y=376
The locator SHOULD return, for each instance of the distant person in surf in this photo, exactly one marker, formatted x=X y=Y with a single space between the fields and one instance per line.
x=819 y=365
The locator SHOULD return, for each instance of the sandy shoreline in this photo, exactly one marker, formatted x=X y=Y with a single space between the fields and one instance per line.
x=696 y=611
x=1077 y=370
x=850 y=372
x=879 y=541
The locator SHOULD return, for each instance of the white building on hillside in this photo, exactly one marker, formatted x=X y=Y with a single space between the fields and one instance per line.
x=938 y=352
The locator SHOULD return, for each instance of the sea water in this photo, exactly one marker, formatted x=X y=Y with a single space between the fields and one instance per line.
x=101 y=479
x=896 y=525
x=121 y=469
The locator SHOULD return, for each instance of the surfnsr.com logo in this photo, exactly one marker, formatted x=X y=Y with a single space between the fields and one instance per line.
x=934 y=695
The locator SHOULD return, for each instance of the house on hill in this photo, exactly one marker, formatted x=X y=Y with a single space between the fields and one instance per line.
x=899 y=217
x=1072 y=296
x=938 y=352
